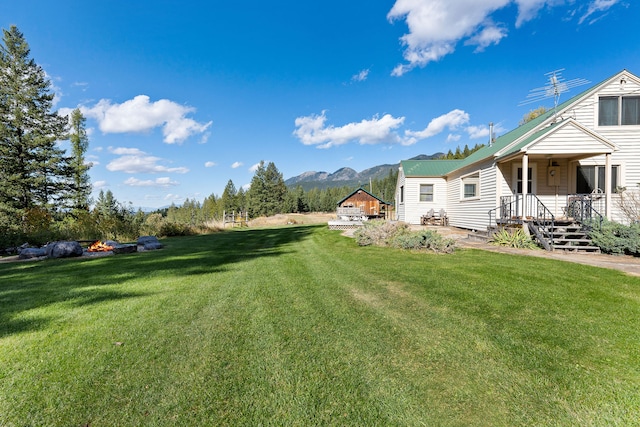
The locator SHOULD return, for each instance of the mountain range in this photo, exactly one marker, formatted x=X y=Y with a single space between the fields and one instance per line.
x=346 y=176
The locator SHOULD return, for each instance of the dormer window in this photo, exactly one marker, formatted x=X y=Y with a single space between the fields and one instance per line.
x=619 y=111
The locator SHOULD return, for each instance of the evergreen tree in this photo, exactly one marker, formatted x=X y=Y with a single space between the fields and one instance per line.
x=267 y=192
x=228 y=201
x=33 y=170
x=81 y=191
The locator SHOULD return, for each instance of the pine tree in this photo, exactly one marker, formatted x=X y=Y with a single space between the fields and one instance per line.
x=267 y=193
x=229 y=201
x=81 y=190
x=33 y=170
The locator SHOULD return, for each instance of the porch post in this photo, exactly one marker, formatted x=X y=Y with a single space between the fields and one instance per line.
x=607 y=184
x=525 y=182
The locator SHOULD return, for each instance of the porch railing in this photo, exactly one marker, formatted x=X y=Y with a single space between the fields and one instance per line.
x=518 y=210
x=585 y=208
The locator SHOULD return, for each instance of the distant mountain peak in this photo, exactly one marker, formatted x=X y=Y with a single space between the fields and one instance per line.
x=348 y=176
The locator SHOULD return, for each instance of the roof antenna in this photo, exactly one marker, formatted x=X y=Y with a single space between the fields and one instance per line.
x=557 y=85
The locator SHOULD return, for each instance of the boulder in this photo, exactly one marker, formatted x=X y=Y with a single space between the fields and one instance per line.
x=125 y=249
x=63 y=249
x=152 y=246
x=149 y=243
x=30 y=253
x=142 y=240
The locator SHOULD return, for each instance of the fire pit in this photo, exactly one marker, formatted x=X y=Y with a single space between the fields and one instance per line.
x=111 y=246
x=99 y=246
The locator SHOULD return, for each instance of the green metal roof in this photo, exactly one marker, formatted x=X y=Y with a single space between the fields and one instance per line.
x=432 y=168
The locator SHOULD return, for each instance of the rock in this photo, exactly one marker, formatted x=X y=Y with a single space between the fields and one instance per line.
x=63 y=249
x=149 y=243
x=142 y=240
x=111 y=243
x=125 y=249
x=29 y=253
x=152 y=246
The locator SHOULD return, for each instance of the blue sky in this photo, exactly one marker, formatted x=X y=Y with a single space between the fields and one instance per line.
x=182 y=96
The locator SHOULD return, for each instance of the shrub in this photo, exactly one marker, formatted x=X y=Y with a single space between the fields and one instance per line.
x=398 y=235
x=513 y=238
x=170 y=229
x=615 y=238
x=378 y=232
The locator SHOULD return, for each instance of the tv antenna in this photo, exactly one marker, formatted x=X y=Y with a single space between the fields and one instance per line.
x=557 y=85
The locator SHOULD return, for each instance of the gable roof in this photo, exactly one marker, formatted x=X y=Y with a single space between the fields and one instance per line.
x=531 y=130
x=362 y=189
x=593 y=143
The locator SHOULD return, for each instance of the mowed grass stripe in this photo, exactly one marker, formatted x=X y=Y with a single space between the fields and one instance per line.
x=299 y=326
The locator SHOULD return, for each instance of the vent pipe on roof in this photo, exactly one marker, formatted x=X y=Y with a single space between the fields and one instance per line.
x=490 y=134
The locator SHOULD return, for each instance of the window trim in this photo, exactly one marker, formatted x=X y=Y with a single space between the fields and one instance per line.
x=619 y=111
x=615 y=176
x=426 y=193
x=534 y=177
x=472 y=178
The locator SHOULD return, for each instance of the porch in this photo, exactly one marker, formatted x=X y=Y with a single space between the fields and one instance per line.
x=569 y=231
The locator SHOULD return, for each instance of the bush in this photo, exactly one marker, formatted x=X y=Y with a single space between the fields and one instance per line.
x=171 y=229
x=378 y=232
x=513 y=238
x=398 y=235
x=424 y=239
x=615 y=238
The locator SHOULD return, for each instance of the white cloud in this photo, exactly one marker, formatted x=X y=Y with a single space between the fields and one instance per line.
x=453 y=137
x=93 y=159
x=210 y=164
x=477 y=132
x=158 y=182
x=121 y=151
x=489 y=35
x=141 y=115
x=435 y=27
x=57 y=92
x=361 y=76
x=452 y=120
x=597 y=6
x=236 y=165
x=173 y=198
x=133 y=160
x=312 y=130
x=100 y=184
x=255 y=167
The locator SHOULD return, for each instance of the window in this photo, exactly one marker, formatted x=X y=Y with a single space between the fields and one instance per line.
x=631 y=110
x=590 y=178
x=529 y=181
x=426 y=192
x=471 y=186
x=402 y=194
x=616 y=111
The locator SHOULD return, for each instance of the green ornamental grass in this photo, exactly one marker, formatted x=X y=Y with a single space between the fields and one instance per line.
x=301 y=326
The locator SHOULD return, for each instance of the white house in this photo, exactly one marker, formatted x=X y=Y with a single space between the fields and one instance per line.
x=577 y=161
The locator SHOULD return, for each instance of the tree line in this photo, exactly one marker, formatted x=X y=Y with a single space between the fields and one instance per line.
x=268 y=195
x=46 y=192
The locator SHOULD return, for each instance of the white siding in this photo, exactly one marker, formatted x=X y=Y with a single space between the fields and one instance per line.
x=568 y=140
x=626 y=138
x=400 y=205
x=413 y=208
x=473 y=214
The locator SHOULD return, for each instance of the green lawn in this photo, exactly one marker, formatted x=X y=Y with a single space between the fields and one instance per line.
x=300 y=326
